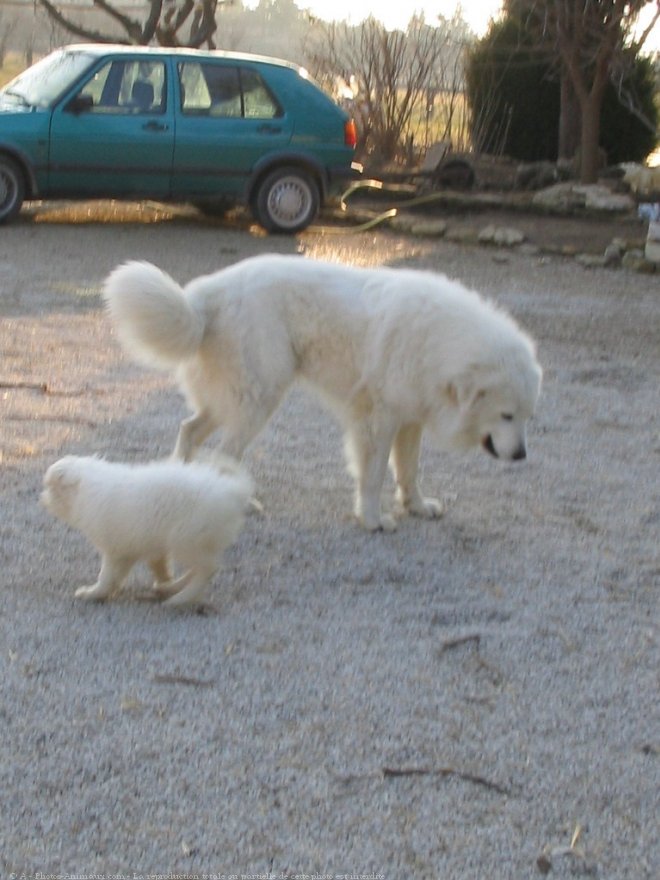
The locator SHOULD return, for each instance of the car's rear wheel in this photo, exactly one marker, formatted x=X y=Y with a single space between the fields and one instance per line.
x=287 y=200
x=12 y=189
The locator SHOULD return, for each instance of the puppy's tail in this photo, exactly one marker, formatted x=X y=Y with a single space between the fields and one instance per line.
x=226 y=466
x=154 y=320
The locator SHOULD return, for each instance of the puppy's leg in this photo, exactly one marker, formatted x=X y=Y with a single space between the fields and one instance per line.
x=368 y=449
x=112 y=575
x=160 y=569
x=165 y=589
x=198 y=580
x=405 y=462
x=192 y=433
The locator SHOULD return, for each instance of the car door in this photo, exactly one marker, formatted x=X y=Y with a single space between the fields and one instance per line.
x=115 y=135
x=227 y=118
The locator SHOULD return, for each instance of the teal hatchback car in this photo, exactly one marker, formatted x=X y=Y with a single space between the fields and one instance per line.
x=211 y=128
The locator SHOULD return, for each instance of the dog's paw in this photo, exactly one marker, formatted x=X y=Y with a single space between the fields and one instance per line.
x=164 y=589
x=428 y=508
x=95 y=593
x=183 y=599
x=384 y=523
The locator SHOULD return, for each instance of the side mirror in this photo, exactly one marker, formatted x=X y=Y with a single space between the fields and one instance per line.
x=80 y=104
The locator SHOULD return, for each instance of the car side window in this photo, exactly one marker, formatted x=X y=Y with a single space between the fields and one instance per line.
x=127 y=87
x=223 y=91
x=259 y=102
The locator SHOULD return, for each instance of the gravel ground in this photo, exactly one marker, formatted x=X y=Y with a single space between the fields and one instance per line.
x=475 y=697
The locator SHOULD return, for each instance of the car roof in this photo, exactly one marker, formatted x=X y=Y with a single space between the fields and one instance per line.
x=100 y=49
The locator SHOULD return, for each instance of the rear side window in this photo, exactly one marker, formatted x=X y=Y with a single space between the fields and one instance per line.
x=223 y=91
x=127 y=87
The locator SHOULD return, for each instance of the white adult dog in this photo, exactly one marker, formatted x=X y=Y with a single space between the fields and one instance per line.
x=156 y=513
x=391 y=350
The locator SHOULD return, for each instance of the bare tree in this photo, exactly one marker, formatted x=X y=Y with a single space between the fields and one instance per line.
x=167 y=22
x=7 y=27
x=588 y=40
x=392 y=73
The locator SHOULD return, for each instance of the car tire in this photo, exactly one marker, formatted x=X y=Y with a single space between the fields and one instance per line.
x=454 y=174
x=286 y=201
x=12 y=189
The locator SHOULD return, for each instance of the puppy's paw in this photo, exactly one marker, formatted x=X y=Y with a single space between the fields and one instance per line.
x=164 y=589
x=184 y=599
x=95 y=593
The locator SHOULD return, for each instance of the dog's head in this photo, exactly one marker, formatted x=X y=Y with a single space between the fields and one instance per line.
x=494 y=404
x=60 y=486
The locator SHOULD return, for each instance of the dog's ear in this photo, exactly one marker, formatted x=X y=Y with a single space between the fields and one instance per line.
x=62 y=475
x=464 y=390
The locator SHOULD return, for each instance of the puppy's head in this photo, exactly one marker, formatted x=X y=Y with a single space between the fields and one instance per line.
x=60 y=486
x=494 y=405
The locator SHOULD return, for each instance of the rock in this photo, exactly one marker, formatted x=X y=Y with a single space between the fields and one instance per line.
x=569 y=196
x=643 y=181
x=534 y=175
x=462 y=235
x=600 y=198
x=501 y=235
x=591 y=261
x=429 y=228
x=636 y=261
x=613 y=253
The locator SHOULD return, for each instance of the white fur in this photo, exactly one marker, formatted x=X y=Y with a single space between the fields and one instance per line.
x=391 y=351
x=157 y=513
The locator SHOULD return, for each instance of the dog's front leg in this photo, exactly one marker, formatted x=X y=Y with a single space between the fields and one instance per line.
x=369 y=450
x=192 y=433
x=405 y=463
x=112 y=575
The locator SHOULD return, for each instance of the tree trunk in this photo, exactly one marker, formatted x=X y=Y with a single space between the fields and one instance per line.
x=569 y=119
x=589 y=140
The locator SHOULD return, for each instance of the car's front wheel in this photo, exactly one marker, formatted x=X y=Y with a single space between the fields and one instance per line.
x=12 y=189
x=286 y=200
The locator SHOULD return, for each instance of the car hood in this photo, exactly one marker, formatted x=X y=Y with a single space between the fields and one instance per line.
x=11 y=105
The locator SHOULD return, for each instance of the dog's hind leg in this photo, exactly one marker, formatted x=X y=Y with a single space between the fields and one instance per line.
x=112 y=575
x=192 y=433
x=165 y=589
x=196 y=582
x=405 y=463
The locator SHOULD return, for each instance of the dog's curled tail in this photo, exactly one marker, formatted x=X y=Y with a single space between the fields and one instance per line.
x=152 y=316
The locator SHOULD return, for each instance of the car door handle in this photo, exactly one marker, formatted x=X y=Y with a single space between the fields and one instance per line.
x=155 y=126
x=269 y=129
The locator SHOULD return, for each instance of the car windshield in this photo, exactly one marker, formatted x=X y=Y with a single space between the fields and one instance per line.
x=41 y=84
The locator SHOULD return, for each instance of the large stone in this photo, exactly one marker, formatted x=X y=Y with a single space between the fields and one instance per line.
x=570 y=196
x=505 y=236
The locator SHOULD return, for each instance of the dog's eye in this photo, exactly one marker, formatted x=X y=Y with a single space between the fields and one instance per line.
x=507 y=417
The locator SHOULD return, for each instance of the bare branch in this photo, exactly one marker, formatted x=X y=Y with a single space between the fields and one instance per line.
x=76 y=29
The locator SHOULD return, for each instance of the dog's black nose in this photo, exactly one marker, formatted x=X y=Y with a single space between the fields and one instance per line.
x=519 y=454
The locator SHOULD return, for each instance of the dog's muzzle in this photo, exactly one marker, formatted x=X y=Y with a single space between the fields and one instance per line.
x=519 y=455
x=487 y=444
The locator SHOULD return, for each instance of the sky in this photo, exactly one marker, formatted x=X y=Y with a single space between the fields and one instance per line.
x=477 y=13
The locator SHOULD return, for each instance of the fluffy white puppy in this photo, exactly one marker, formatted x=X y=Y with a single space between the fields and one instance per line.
x=157 y=513
x=391 y=351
